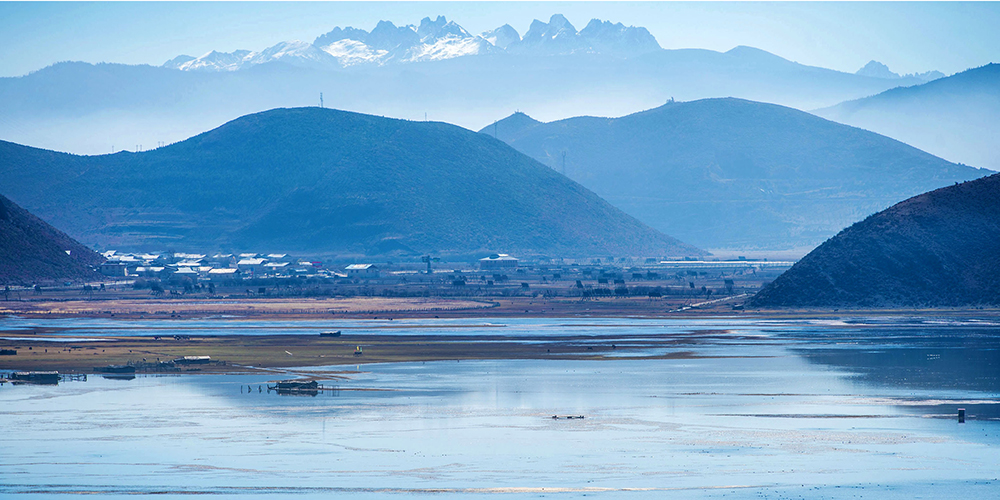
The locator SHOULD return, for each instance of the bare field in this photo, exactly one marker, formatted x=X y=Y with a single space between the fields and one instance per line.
x=236 y=307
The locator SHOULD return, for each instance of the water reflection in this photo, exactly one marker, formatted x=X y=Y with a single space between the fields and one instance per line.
x=782 y=410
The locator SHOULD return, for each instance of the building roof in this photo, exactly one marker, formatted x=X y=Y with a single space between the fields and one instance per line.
x=251 y=262
x=360 y=267
x=498 y=256
x=223 y=270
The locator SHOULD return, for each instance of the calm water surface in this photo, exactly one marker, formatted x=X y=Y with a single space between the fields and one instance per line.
x=858 y=408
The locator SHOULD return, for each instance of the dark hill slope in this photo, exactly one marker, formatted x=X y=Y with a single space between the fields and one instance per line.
x=938 y=249
x=734 y=173
x=321 y=180
x=33 y=251
x=957 y=117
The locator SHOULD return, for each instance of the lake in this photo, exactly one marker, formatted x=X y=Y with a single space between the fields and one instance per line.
x=852 y=408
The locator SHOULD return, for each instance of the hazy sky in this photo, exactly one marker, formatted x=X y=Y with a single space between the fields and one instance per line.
x=909 y=37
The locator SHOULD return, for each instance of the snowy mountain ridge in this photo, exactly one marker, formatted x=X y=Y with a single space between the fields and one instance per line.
x=876 y=69
x=432 y=40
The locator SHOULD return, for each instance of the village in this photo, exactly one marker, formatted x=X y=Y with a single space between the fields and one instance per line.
x=498 y=274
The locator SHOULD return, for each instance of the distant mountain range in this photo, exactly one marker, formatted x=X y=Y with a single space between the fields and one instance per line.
x=731 y=173
x=938 y=249
x=432 y=40
x=33 y=252
x=876 y=69
x=323 y=181
x=957 y=117
x=435 y=69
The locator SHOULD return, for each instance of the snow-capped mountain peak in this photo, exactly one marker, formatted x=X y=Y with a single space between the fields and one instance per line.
x=350 y=52
x=430 y=31
x=502 y=37
x=212 y=61
x=876 y=69
x=558 y=36
x=433 y=40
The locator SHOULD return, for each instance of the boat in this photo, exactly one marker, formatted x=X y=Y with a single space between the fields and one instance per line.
x=295 y=388
x=35 y=377
x=297 y=385
x=330 y=334
x=115 y=369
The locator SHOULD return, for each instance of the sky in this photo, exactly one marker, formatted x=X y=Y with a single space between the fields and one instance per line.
x=907 y=36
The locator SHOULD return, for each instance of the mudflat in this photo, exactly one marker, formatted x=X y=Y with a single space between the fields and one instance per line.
x=250 y=353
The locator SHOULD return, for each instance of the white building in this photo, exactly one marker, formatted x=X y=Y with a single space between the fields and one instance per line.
x=362 y=271
x=223 y=274
x=498 y=262
x=253 y=266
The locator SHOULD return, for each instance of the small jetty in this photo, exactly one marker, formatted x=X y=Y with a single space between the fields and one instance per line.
x=330 y=334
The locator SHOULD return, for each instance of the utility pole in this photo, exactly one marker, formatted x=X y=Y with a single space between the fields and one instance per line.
x=428 y=259
x=321 y=100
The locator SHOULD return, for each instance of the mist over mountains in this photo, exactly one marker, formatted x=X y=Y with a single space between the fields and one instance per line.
x=957 y=117
x=731 y=173
x=323 y=181
x=437 y=68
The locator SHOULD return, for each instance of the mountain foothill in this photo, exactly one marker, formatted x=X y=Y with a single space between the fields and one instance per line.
x=938 y=249
x=732 y=173
x=32 y=251
x=324 y=181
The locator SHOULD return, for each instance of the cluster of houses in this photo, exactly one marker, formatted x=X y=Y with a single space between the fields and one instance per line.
x=230 y=267
x=221 y=267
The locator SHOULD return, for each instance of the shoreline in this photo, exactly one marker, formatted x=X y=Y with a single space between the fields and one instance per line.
x=280 y=309
x=56 y=347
